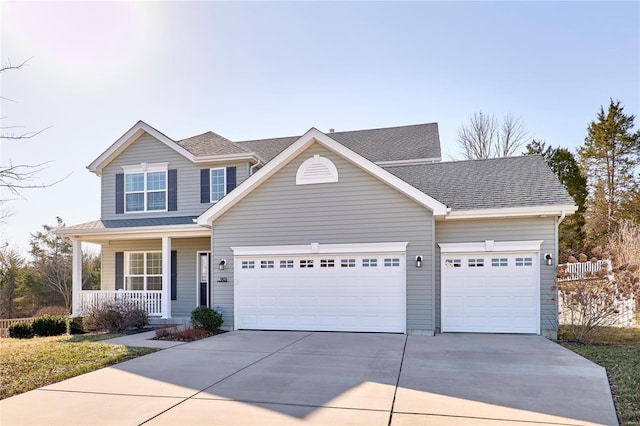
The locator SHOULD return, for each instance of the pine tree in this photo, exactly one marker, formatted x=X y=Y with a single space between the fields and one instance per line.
x=610 y=158
x=565 y=166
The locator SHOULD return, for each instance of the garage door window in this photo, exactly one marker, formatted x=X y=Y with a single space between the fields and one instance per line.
x=369 y=263
x=393 y=261
x=266 y=264
x=248 y=264
x=453 y=263
x=306 y=263
x=327 y=263
x=286 y=263
x=524 y=261
x=499 y=261
x=476 y=263
x=348 y=263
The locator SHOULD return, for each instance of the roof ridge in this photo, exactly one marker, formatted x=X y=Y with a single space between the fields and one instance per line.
x=468 y=160
x=341 y=132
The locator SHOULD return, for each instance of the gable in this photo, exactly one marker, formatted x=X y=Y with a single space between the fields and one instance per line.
x=132 y=135
x=314 y=136
x=356 y=200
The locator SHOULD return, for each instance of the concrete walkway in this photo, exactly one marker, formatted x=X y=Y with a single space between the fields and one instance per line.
x=276 y=378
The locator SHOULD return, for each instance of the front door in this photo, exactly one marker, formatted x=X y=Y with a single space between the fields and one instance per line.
x=204 y=274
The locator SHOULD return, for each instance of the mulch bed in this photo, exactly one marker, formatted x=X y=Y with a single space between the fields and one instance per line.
x=177 y=334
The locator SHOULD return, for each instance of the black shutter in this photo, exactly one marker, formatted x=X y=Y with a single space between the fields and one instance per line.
x=172 y=181
x=231 y=179
x=205 y=182
x=174 y=275
x=120 y=193
x=119 y=270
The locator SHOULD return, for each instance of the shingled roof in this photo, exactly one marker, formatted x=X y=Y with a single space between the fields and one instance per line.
x=211 y=143
x=492 y=183
x=420 y=141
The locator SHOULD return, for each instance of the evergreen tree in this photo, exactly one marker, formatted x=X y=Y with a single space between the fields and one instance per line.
x=610 y=159
x=565 y=166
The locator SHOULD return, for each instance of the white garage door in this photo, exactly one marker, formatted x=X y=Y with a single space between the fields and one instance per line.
x=331 y=292
x=490 y=292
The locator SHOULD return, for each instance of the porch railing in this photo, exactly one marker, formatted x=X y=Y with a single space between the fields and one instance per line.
x=150 y=300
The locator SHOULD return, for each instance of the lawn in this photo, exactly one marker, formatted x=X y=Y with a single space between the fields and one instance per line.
x=30 y=363
x=617 y=350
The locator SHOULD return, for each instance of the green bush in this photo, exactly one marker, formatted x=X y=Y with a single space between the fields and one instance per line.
x=115 y=318
x=75 y=325
x=49 y=326
x=21 y=330
x=206 y=318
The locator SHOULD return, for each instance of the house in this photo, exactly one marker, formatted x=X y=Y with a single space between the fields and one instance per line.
x=345 y=231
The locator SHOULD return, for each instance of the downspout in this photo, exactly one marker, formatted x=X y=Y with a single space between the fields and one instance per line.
x=252 y=168
x=562 y=216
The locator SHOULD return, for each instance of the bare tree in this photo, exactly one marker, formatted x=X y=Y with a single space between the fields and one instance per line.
x=16 y=177
x=484 y=137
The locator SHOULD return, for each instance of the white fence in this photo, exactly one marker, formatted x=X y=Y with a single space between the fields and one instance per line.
x=626 y=316
x=580 y=270
x=150 y=300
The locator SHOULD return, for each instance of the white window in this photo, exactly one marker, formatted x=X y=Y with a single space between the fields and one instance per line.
x=145 y=188
x=369 y=263
x=393 y=261
x=524 y=261
x=218 y=183
x=143 y=271
x=476 y=263
x=453 y=263
x=248 y=264
x=348 y=263
x=266 y=264
x=499 y=261
x=286 y=263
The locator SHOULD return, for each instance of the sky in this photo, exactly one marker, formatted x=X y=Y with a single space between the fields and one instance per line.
x=259 y=70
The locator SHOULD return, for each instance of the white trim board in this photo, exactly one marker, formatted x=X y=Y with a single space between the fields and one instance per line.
x=538 y=211
x=312 y=136
x=491 y=246
x=317 y=248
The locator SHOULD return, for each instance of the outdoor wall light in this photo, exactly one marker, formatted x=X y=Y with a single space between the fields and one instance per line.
x=221 y=264
x=549 y=258
x=418 y=261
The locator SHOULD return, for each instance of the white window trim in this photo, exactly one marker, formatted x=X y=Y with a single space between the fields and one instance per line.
x=224 y=172
x=145 y=168
x=127 y=255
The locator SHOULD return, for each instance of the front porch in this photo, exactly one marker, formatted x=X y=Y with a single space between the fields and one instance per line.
x=151 y=268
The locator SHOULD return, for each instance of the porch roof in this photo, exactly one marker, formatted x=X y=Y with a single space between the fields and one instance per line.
x=100 y=230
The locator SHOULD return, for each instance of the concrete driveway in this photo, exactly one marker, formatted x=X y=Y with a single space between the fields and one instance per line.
x=277 y=378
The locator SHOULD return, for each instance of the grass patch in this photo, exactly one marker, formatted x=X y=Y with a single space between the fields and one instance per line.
x=617 y=349
x=29 y=364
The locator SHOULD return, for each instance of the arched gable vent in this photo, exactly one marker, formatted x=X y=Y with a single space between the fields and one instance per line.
x=316 y=170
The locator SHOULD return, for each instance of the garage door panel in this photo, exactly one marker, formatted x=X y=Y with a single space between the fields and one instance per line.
x=329 y=297
x=499 y=297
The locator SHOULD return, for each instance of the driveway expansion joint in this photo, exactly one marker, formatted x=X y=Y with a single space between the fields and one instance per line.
x=395 y=391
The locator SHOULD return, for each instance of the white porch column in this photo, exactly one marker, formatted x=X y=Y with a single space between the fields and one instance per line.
x=76 y=278
x=166 y=277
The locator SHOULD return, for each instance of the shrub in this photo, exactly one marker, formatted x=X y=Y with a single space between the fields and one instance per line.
x=52 y=311
x=206 y=318
x=21 y=330
x=76 y=325
x=115 y=317
x=49 y=326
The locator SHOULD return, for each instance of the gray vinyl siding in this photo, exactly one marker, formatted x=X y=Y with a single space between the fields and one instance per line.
x=357 y=209
x=187 y=249
x=147 y=149
x=507 y=230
